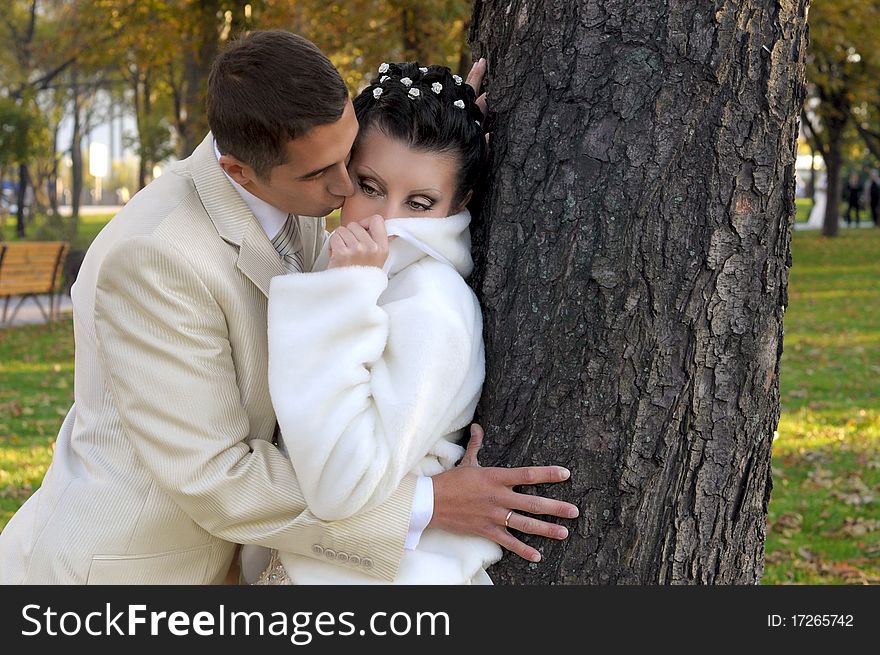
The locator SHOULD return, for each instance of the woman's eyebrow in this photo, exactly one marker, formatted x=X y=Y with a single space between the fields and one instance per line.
x=373 y=173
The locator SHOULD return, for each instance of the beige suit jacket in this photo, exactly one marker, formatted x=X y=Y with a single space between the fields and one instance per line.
x=165 y=461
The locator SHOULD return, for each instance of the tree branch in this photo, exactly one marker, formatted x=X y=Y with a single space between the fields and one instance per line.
x=32 y=22
x=871 y=139
x=813 y=135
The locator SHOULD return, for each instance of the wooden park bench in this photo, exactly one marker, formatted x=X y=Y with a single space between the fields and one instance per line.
x=29 y=269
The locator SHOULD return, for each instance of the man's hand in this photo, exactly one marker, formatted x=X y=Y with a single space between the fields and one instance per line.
x=471 y=499
x=361 y=243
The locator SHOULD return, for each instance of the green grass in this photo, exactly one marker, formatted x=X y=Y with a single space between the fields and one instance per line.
x=36 y=390
x=44 y=230
x=823 y=524
x=804 y=205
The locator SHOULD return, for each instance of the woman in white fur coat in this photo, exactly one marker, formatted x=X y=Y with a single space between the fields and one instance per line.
x=375 y=364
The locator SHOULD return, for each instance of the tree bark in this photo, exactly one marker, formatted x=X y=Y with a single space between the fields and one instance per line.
x=76 y=156
x=632 y=255
x=833 y=188
x=415 y=39
x=141 y=90
x=835 y=118
x=203 y=45
x=52 y=188
x=21 y=199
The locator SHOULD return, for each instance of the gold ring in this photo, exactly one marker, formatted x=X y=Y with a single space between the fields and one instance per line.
x=507 y=519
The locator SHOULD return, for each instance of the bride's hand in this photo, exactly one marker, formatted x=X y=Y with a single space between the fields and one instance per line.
x=471 y=499
x=361 y=243
x=475 y=81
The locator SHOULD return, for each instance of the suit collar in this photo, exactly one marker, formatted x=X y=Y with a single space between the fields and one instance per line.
x=233 y=219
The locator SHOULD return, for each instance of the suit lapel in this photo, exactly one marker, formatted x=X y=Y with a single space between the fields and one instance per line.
x=235 y=223
x=257 y=259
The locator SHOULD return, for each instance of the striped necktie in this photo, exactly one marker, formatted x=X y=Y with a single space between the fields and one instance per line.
x=289 y=246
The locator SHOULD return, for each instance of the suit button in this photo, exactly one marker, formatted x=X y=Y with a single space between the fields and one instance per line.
x=317 y=549
x=367 y=563
x=329 y=553
x=355 y=560
x=341 y=557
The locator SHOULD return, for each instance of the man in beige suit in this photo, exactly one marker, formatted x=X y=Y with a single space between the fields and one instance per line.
x=166 y=460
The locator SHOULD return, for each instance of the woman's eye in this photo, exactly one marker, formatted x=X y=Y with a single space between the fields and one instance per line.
x=420 y=206
x=369 y=190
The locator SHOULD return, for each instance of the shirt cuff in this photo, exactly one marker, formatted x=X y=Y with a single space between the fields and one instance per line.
x=422 y=511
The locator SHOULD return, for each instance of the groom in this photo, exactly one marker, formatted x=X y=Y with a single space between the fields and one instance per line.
x=167 y=459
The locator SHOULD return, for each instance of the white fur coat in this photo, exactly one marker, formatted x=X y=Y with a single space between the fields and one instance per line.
x=373 y=374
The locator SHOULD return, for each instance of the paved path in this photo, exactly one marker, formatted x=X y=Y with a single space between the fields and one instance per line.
x=30 y=314
x=90 y=210
x=843 y=225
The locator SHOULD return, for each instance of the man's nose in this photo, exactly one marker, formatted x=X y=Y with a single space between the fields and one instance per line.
x=341 y=184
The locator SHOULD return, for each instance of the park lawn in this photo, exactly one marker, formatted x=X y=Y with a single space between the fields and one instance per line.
x=803 y=207
x=36 y=390
x=823 y=524
x=87 y=229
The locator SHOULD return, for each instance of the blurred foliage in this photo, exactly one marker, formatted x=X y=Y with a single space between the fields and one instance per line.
x=153 y=56
x=843 y=65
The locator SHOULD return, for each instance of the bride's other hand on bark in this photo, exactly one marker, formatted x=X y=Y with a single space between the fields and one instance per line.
x=471 y=499
x=475 y=81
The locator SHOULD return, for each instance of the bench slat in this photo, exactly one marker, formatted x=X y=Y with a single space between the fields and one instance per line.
x=31 y=267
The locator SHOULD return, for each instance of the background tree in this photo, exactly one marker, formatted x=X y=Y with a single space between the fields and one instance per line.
x=632 y=261
x=842 y=69
x=28 y=65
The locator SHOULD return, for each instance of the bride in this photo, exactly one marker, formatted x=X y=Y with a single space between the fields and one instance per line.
x=376 y=358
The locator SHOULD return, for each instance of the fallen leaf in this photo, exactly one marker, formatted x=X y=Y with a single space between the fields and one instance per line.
x=806 y=553
x=788 y=524
x=858 y=526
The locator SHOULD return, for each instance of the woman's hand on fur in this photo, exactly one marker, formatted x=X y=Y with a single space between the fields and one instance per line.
x=471 y=499
x=361 y=243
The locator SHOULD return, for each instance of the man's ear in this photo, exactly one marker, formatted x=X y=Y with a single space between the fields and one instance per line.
x=237 y=170
x=464 y=202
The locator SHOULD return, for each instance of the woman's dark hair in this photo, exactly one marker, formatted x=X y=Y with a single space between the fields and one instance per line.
x=267 y=88
x=426 y=119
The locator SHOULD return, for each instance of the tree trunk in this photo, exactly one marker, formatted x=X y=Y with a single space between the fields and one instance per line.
x=811 y=182
x=414 y=36
x=76 y=157
x=141 y=105
x=53 y=173
x=835 y=126
x=21 y=197
x=203 y=45
x=632 y=259
x=21 y=214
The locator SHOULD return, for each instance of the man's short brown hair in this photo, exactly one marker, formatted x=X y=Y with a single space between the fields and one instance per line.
x=267 y=88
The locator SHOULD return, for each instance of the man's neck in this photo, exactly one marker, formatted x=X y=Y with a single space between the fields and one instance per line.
x=270 y=217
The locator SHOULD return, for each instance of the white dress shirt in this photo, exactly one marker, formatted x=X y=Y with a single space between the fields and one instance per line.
x=272 y=220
